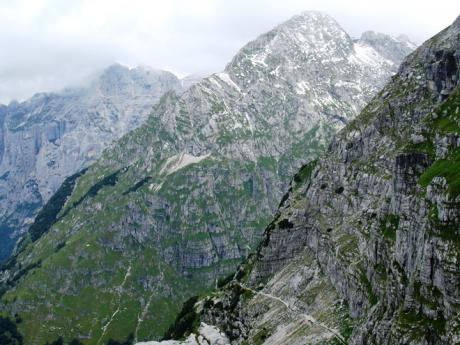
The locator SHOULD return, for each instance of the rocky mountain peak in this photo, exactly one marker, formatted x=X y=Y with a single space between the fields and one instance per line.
x=119 y=79
x=53 y=135
x=312 y=54
x=315 y=32
x=308 y=22
x=391 y=48
x=374 y=224
x=298 y=41
x=112 y=79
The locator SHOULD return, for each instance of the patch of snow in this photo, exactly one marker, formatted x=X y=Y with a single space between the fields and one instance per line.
x=367 y=55
x=155 y=187
x=215 y=82
x=237 y=124
x=259 y=58
x=348 y=84
x=276 y=71
x=180 y=161
x=302 y=87
x=226 y=78
x=251 y=128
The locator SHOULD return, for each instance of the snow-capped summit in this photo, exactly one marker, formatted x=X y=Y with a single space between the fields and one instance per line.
x=313 y=54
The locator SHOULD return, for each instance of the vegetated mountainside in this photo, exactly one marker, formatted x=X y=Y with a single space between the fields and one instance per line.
x=365 y=247
x=179 y=201
x=53 y=135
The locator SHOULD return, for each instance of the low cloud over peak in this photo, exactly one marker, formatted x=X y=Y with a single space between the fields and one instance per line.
x=50 y=44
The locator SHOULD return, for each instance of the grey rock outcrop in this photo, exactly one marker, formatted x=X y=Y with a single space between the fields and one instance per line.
x=365 y=246
x=53 y=135
x=389 y=47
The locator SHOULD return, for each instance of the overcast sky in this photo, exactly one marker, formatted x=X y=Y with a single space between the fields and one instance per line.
x=49 y=44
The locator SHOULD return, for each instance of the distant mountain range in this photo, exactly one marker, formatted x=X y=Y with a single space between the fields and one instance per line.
x=53 y=135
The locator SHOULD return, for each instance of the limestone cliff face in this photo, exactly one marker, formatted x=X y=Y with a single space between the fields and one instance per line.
x=178 y=202
x=365 y=246
x=51 y=136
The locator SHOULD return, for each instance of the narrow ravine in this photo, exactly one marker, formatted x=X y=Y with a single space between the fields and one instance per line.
x=106 y=326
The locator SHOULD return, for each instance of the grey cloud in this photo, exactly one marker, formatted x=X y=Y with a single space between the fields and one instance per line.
x=48 y=44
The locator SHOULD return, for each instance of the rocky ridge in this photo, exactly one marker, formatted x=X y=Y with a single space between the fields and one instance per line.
x=53 y=135
x=365 y=246
x=176 y=203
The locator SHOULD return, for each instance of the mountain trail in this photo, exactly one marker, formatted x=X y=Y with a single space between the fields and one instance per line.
x=307 y=317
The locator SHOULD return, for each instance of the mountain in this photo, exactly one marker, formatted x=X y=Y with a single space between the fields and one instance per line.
x=364 y=248
x=189 y=80
x=52 y=136
x=177 y=203
x=390 y=48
